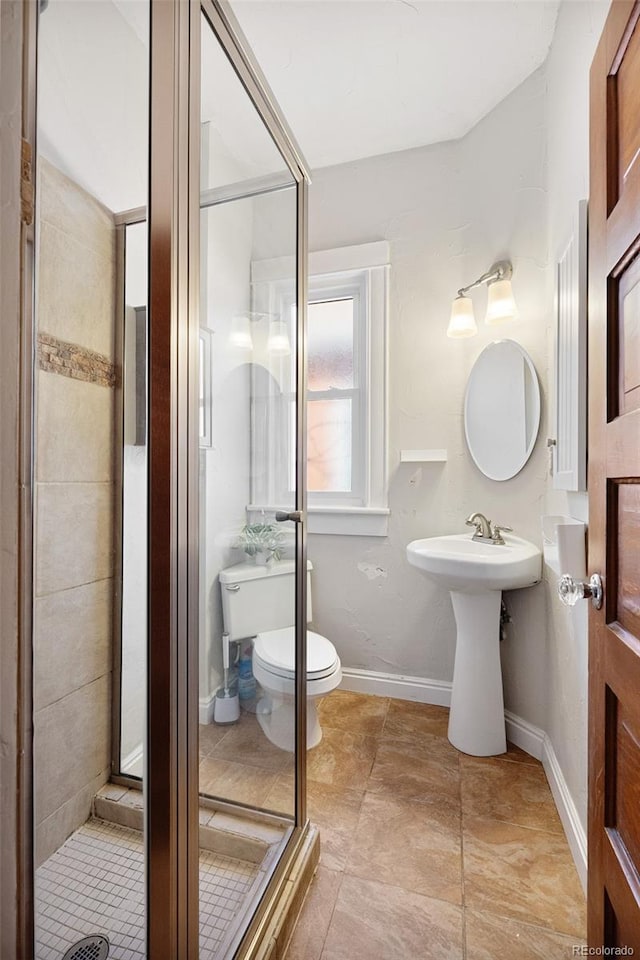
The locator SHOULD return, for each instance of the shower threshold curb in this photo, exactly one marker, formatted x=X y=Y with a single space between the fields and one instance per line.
x=272 y=941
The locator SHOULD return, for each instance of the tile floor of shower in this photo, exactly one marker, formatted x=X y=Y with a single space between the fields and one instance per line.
x=426 y=853
x=94 y=884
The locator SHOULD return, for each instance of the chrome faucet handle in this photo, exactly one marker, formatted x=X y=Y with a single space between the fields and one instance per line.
x=497 y=528
x=497 y=531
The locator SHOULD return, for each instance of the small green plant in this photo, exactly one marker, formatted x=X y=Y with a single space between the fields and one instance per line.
x=261 y=540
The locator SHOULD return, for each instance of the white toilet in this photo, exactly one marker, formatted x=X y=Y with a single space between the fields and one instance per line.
x=259 y=602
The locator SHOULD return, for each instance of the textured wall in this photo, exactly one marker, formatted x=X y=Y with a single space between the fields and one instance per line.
x=511 y=187
x=74 y=494
x=577 y=32
x=448 y=211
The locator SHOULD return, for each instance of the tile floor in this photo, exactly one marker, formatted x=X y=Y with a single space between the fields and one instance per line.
x=238 y=763
x=429 y=854
x=94 y=883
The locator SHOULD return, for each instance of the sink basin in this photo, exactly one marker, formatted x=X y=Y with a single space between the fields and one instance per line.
x=460 y=563
x=476 y=573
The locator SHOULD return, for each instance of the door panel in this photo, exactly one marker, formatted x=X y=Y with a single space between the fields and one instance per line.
x=628 y=551
x=614 y=484
x=628 y=339
x=628 y=110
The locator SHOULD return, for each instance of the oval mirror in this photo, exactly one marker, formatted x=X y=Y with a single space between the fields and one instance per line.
x=502 y=409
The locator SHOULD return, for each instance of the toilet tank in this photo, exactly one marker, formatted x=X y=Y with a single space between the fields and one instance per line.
x=259 y=598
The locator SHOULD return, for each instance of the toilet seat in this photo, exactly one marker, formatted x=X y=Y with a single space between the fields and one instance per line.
x=274 y=651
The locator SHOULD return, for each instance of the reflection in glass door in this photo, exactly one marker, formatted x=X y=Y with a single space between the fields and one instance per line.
x=248 y=559
x=166 y=783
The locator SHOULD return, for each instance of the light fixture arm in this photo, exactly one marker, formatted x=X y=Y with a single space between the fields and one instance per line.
x=502 y=270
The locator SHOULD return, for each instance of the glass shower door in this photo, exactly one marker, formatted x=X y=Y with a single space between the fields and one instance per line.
x=170 y=549
x=251 y=607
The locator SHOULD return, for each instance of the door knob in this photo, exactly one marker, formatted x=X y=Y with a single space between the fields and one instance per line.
x=570 y=590
x=295 y=515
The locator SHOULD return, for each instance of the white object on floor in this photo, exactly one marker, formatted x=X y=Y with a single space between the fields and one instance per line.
x=274 y=669
x=226 y=707
x=260 y=602
x=476 y=572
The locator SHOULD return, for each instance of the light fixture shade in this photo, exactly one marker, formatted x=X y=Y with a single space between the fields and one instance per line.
x=500 y=303
x=278 y=343
x=463 y=322
x=240 y=334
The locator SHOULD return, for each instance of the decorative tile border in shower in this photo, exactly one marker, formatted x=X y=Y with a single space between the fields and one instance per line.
x=71 y=360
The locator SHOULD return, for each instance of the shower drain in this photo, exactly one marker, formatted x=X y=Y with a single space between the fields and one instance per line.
x=91 y=948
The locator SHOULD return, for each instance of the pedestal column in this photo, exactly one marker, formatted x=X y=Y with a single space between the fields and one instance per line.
x=476 y=720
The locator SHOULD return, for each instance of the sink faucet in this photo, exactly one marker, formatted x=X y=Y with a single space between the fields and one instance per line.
x=482 y=525
x=485 y=530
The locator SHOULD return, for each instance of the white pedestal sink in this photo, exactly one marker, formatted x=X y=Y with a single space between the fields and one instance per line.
x=476 y=573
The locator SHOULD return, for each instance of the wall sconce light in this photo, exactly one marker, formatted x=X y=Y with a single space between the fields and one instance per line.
x=501 y=305
x=278 y=343
x=240 y=333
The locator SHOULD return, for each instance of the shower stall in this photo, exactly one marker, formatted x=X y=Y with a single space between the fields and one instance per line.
x=169 y=433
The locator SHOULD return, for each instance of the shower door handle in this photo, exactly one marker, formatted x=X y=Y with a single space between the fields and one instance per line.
x=296 y=515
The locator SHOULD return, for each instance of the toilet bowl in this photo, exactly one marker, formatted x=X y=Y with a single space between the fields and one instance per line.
x=258 y=603
x=274 y=669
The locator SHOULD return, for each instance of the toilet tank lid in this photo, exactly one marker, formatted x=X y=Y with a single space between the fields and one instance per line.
x=254 y=571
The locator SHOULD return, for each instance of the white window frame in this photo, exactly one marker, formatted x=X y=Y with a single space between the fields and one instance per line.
x=352 y=285
x=361 y=271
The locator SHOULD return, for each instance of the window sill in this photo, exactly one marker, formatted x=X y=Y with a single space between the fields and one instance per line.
x=340 y=521
x=348 y=521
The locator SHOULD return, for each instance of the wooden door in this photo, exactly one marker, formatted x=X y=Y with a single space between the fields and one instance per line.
x=614 y=483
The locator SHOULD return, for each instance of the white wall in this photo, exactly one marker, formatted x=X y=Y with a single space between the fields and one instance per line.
x=448 y=211
x=577 y=32
x=133 y=669
x=93 y=64
x=225 y=466
x=510 y=188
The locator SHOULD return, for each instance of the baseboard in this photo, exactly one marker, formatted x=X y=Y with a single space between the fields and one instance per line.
x=524 y=735
x=399 y=687
x=205 y=708
x=528 y=737
x=576 y=835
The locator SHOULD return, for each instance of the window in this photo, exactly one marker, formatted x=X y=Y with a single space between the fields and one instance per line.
x=333 y=422
x=347 y=391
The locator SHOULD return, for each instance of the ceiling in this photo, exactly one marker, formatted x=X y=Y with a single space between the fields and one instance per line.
x=356 y=78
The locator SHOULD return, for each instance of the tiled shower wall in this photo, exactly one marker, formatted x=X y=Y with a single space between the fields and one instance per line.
x=75 y=381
